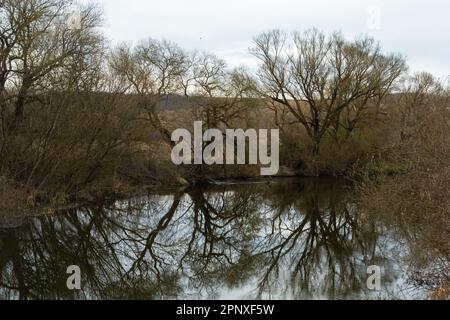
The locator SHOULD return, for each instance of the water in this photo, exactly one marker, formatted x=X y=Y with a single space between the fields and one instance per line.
x=288 y=239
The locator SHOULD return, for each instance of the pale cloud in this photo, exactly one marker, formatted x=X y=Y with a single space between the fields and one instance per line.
x=415 y=28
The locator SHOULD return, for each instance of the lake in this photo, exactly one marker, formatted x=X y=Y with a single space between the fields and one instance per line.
x=283 y=239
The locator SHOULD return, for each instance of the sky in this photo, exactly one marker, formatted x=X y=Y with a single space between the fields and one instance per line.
x=417 y=29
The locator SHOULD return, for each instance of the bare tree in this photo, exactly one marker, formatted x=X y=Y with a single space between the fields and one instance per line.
x=36 y=44
x=419 y=96
x=219 y=95
x=152 y=71
x=325 y=83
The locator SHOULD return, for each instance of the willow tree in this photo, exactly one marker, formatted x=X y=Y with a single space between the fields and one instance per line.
x=326 y=84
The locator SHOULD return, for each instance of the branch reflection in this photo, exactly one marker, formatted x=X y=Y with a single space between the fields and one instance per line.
x=295 y=240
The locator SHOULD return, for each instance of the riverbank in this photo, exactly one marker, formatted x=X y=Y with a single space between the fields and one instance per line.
x=17 y=199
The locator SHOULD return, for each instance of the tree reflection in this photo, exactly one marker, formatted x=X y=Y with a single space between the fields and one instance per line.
x=319 y=243
x=299 y=240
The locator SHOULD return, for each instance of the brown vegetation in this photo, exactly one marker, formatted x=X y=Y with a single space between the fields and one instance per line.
x=417 y=203
x=77 y=116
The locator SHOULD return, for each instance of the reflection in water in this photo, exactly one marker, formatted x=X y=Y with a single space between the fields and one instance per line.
x=295 y=240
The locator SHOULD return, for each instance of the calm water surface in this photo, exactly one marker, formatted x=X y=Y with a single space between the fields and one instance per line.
x=289 y=239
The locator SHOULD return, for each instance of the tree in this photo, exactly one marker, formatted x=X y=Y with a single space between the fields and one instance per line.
x=155 y=71
x=152 y=71
x=219 y=95
x=420 y=97
x=325 y=83
x=37 y=46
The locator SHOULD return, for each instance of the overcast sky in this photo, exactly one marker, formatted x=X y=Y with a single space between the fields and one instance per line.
x=418 y=29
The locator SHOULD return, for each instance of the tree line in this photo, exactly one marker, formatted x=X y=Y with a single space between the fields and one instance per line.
x=77 y=114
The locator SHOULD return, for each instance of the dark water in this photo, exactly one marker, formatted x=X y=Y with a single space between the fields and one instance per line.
x=292 y=239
